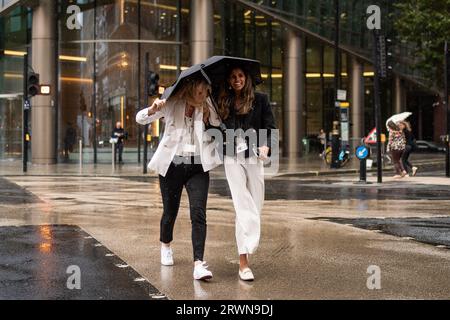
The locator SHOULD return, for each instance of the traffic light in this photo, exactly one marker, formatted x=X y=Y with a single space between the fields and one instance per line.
x=384 y=57
x=33 y=87
x=152 y=84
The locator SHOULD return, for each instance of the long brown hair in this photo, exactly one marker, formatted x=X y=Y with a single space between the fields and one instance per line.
x=227 y=96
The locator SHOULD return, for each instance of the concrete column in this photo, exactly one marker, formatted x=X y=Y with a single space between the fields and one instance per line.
x=202 y=30
x=357 y=99
x=399 y=96
x=43 y=62
x=294 y=94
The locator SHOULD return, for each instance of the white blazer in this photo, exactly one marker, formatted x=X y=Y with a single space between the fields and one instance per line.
x=173 y=113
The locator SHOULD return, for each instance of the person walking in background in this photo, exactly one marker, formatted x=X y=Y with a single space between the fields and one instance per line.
x=69 y=140
x=410 y=146
x=242 y=109
x=120 y=135
x=323 y=142
x=396 y=146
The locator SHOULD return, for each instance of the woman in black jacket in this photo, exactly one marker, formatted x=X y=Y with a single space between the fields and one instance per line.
x=249 y=120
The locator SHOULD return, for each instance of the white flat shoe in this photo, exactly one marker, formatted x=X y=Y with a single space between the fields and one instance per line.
x=246 y=275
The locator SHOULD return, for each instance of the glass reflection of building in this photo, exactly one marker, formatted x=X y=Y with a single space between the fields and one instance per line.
x=100 y=65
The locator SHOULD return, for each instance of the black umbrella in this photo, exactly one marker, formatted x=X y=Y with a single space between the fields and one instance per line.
x=193 y=72
x=215 y=70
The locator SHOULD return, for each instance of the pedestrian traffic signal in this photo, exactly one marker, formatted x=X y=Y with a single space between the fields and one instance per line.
x=152 y=84
x=384 y=57
x=33 y=84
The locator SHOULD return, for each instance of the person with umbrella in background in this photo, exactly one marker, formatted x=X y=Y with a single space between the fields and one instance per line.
x=396 y=144
x=242 y=109
x=184 y=159
x=410 y=146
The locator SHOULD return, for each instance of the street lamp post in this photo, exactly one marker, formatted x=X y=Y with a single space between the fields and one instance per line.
x=446 y=99
x=335 y=145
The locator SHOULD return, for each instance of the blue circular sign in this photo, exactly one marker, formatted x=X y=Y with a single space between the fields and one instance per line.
x=362 y=152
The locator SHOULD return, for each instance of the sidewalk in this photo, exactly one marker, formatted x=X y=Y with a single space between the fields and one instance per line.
x=308 y=166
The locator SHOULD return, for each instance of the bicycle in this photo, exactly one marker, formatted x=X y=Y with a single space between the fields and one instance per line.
x=343 y=156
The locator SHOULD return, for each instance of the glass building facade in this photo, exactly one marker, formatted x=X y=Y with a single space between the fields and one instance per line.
x=101 y=57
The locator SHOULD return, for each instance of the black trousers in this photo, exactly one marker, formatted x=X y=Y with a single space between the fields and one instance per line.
x=119 y=151
x=405 y=158
x=196 y=182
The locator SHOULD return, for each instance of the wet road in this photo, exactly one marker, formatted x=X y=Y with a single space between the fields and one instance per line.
x=41 y=262
x=301 y=255
x=11 y=193
x=435 y=231
x=332 y=189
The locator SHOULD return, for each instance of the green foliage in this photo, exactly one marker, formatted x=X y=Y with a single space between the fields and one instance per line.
x=426 y=24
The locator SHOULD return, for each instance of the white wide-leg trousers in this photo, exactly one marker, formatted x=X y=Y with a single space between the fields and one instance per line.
x=246 y=182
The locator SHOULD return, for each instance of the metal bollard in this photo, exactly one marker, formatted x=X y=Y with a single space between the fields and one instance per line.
x=81 y=154
x=363 y=171
x=113 y=152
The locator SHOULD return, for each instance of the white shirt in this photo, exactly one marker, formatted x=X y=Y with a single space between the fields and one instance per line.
x=188 y=138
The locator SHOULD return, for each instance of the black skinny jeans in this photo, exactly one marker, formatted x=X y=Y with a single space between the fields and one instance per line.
x=405 y=158
x=196 y=182
x=119 y=152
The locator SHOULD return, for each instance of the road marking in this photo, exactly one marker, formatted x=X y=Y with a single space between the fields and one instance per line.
x=139 y=280
x=98 y=245
x=109 y=255
x=122 y=265
x=407 y=238
x=442 y=246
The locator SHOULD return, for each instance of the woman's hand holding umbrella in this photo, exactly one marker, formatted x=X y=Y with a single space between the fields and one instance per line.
x=263 y=152
x=156 y=106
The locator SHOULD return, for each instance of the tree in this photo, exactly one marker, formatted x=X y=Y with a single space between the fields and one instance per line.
x=425 y=24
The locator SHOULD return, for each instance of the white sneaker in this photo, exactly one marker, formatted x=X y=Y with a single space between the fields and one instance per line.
x=201 y=271
x=246 y=274
x=414 y=171
x=166 y=256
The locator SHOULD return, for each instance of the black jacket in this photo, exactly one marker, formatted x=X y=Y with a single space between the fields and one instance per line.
x=410 y=139
x=121 y=134
x=259 y=117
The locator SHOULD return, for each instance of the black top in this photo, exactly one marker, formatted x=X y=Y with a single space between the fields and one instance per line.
x=259 y=117
x=410 y=139
x=120 y=134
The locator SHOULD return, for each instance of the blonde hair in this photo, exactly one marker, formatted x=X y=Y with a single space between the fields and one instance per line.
x=227 y=95
x=187 y=91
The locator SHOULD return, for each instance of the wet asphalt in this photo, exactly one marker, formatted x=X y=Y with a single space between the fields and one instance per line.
x=64 y=262
x=11 y=193
x=34 y=258
x=330 y=189
x=435 y=231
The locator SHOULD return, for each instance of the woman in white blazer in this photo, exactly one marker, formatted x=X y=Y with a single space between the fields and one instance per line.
x=184 y=158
